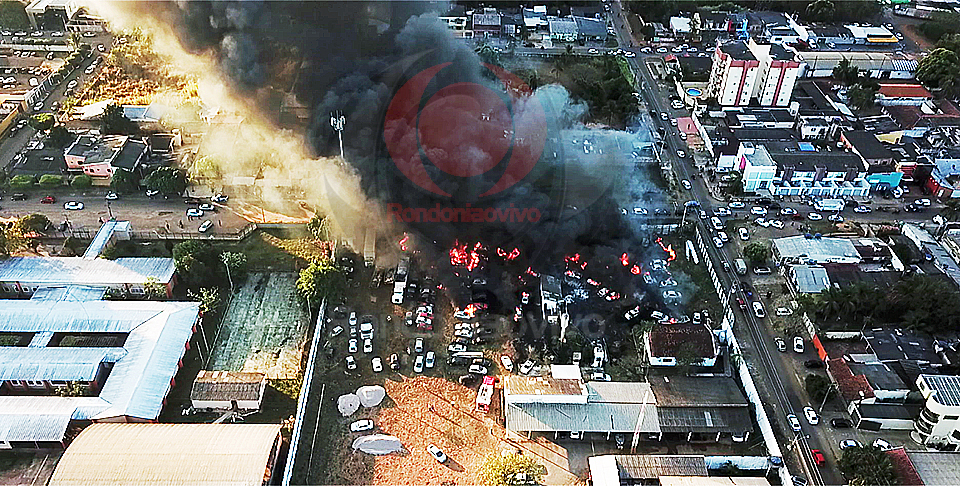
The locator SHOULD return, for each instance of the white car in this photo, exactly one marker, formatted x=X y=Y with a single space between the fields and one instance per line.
x=758 y=310
x=737 y=205
x=336 y=331
x=507 y=363
x=781 y=346
x=661 y=50
x=194 y=213
x=352 y=345
x=844 y=444
x=418 y=364
x=723 y=236
x=368 y=346
x=418 y=345
x=836 y=218
x=794 y=422
x=526 y=367
x=645 y=50
x=717 y=242
x=814 y=217
x=431 y=359
x=477 y=369
x=632 y=313
x=600 y=376
x=353 y=319
x=686 y=184
x=456 y=348
x=658 y=316
x=671 y=294
x=73 y=205
x=811 y=415
x=721 y=211
x=111 y=196
x=798 y=344
x=776 y=224
x=361 y=425
x=882 y=445
x=377 y=364
x=758 y=211
x=351 y=363
x=72 y=84
x=205 y=226
x=923 y=202
x=437 y=454
x=744 y=234
x=784 y=311
x=788 y=212
x=861 y=209
x=681 y=153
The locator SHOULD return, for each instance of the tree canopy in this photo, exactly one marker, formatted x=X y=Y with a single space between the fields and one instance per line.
x=42 y=122
x=939 y=69
x=321 y=280
x=123 y=181
x=862 y=97
x=756 y=252
x=197 y=262
x=867 y=465
x=511 y=470
x=114 y=122
x=167 y=180
x=59 y=137
x=845 y=72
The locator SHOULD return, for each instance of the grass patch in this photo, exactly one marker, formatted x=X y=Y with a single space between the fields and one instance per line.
x=265 y=251
x=625 y=70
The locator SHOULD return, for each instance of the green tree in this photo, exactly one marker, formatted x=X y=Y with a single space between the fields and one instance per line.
x=820 y=11
x=511 y=470
x=756 y=252
x=114 y=122
x=22 y=181
x=845 y=72
x=42 y=122
x=124 y=181
x=197 y=263
x=167 y=180
x=153 y=289
x=817 y=386
x=32 y=223
x=209 y=299
x=862 y=97
x=321 y=280
x=82 y=181
x=236 y=262
x=73 y=389
x=50 y=180
x=317 y=227
x=59 y=137
x=939 y=69
x=867 y=465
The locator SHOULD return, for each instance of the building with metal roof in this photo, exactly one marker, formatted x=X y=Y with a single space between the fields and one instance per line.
x=617 y=470
x=801 y=249
x=807 y=279
x=665 y=342
x=170 y=454
x=935 y=468
x=124 y=353
x=22 y=276
x=228 y=390
x=562 y=29
x=701 y=407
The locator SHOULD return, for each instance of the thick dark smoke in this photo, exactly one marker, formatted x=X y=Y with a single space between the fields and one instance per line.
x=352 y=56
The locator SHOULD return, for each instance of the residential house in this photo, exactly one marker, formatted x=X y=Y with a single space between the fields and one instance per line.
x=626 y=470
x=756 y=167
x=562 y=29
x=100 y=156
x=877 y=156
x=819 y=173
x=933 y=250
x=944 y=180
x=125 y=354
x=939 y=422
x=591 y=29
x=535 y=19
x=228 y=390
x=680 y=26
x=926 y=468
x=456 y=19
x=486 y=23
x=917 y=120
x=807 y=279
x=903 y=94
x=140 y=454
x=664 y=343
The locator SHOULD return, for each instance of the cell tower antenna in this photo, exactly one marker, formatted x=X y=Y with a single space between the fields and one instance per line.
x=337 y=121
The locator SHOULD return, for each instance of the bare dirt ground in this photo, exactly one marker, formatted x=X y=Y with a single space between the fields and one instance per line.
x=435 y=411
x=263 y=329
x=33 y=468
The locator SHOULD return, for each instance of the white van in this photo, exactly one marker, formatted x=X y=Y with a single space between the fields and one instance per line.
x=717 y=224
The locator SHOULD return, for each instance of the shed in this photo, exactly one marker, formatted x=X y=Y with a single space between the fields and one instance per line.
x=228 y=390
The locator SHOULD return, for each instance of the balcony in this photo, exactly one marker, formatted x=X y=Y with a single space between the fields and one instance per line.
x=929 y=417
x=923 y=428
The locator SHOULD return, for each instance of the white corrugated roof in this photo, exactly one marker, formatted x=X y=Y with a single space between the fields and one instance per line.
x=158 y=333
x=84 y=271
x=588 y=417
x=61 y=364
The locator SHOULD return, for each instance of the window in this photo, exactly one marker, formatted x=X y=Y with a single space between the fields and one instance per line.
x=136 y=290
x=951 y=417
x=35 y=384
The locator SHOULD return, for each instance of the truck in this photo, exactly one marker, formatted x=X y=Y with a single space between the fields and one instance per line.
x=740 y=266
x=829 y=205
x=370 y=247
x=485 y=394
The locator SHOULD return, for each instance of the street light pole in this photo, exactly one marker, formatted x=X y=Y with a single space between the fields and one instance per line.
x=223 y=258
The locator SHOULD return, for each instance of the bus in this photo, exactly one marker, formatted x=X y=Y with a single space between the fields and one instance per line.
x=485 y=394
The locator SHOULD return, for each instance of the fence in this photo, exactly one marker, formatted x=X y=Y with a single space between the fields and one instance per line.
x=305 y=389
x=85 y=234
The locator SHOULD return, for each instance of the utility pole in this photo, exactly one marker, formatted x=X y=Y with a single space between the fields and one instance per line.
x=223 y=258
x=337 y=121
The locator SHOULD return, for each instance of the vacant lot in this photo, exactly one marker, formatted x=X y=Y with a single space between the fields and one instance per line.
x=263 y=328
x=423 y=411
x=27 y=467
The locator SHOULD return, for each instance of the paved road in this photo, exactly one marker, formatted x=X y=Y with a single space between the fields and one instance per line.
x=786 y=398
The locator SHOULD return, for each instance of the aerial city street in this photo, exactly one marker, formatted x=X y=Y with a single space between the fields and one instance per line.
x=596 y=242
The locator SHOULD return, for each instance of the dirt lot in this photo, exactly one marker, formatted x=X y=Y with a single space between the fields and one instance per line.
x=426 y=411
x=33 y=468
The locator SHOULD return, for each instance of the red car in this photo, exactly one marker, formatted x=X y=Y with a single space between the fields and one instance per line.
x=818 y=457
x=48 y=200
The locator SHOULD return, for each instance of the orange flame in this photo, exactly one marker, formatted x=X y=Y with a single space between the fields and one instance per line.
x=668 y=249
x=625 y=259
x=635 y=270
x=403 y=242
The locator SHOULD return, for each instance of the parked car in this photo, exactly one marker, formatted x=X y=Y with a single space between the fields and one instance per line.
x=352 y=346
x=194 y=213
x=377 y=364
x=351 y=363
x=686 y=184
x=847 y=443
x=882 y=445
x=477 y=369
x=394 y=362
x=841 y=423
x=418 y=345
x=205 y=226
x=798 y=344
x=361 y=425
x=526 y=367
x=744 y=234
x=418 y=364
x=507 y=363
x=73 y=205
x=758 y=310
x=336 y=331
x=762 y=270
x=758 y=211
x=19 y=197
x=811 y=415
x=219 y=198
x=367 y=346
x=431 y=359
x=814 y=217
x=818 y=458
x=781 y=345
x=436 y=453
x=47 y=200
x=784 y=311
